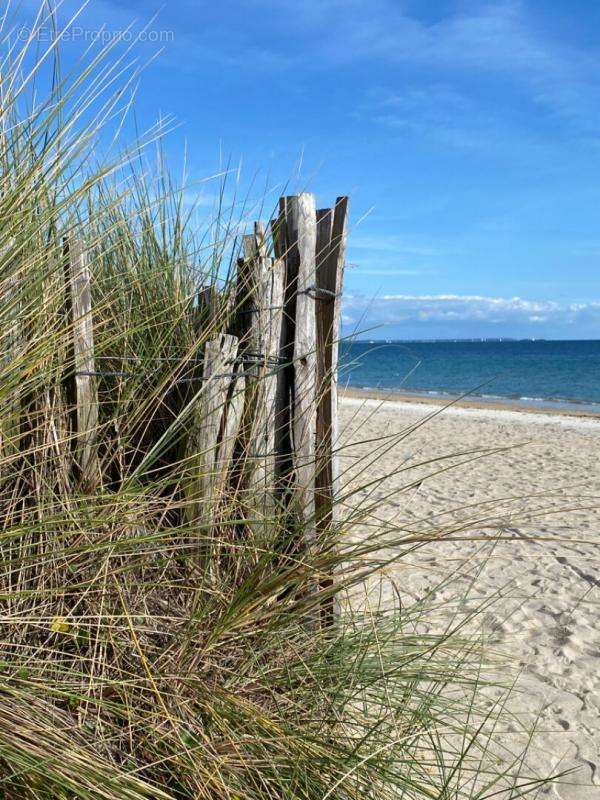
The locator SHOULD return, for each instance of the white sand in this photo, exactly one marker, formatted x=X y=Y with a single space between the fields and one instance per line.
x=548 y=615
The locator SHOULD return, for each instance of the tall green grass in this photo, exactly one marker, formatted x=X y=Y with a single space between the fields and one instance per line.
x=146 y=652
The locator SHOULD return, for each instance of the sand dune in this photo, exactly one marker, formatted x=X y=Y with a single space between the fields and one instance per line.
x=541 y=480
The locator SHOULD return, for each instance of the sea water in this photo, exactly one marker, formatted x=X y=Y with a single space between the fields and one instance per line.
x=536 y=373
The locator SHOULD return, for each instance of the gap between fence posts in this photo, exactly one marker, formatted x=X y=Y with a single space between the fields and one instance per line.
x=282 y=442
x=331 y=242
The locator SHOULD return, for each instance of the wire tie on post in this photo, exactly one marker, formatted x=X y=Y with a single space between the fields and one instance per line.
x=319 y=294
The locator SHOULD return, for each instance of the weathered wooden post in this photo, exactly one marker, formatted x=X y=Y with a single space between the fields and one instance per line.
x=274 y=295
x=258 y=326
x=9 y=343
x=82 y=392
x=209 y=422
x=300 y=222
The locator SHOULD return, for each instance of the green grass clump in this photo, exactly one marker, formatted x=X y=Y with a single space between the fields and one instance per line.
x=148 y=649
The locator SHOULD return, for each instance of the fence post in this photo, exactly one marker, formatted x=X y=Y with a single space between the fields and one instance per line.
x=258 y=325
x=301 y=234
x=9 y=341
x=205 y=308
x=82 y=390
x=274 y=295
x=208 y=424
x=233 y=413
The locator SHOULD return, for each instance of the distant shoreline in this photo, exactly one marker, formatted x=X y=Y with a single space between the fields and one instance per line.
x=475 y=340
x=568 y=410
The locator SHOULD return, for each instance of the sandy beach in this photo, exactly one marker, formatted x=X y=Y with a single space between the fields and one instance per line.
x=531 y=480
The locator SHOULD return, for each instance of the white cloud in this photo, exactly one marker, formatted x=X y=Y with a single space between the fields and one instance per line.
x=405 y=310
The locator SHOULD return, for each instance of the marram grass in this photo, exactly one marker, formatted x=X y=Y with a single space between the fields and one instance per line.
x=147 y=650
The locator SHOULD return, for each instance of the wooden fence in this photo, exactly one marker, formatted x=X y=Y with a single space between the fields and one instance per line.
x=265 y=419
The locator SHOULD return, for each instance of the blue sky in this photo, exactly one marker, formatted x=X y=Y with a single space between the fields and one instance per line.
x=466 y=133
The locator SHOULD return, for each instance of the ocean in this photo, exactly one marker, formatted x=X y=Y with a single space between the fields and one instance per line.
x=553 y=374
